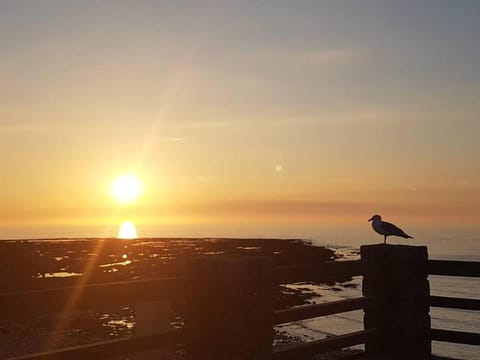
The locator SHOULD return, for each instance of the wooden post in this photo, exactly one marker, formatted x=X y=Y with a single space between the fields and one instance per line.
x=396 y=277
x=154 y=317
x=230 y=309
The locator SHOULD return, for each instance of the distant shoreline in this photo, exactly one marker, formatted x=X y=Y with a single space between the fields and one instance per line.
x=159 y=238
x=115 y=259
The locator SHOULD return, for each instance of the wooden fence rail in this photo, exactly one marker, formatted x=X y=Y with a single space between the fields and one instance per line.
x=316 y=310
x=299 y=351
x=458 y=337
x=454 y=303
x=454 y=268
x=110 y=348
x=326 y=271
x=28 y=303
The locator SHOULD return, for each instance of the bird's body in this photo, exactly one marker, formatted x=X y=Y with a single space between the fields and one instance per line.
x=387 y=229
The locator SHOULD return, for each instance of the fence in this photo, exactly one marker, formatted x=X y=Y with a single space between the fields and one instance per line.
x=229 y=310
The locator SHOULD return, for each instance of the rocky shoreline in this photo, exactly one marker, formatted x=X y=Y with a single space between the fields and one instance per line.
x=40 y=264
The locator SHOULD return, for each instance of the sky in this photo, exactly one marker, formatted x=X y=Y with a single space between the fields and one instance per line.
x=234 y=112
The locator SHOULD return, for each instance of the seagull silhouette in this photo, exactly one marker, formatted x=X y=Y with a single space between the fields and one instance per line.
x=386 y=229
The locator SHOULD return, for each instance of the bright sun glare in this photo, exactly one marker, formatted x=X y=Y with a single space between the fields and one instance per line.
x=126 y=188
x=127 y=230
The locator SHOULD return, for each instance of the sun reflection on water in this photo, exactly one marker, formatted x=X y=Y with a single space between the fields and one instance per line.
x=127 y=230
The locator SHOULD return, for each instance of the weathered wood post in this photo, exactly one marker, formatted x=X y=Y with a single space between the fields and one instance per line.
x=230 y=308
x=154 y=317
x=396 y=277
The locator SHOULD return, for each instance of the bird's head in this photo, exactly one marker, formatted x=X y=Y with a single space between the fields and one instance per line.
x=375 y=218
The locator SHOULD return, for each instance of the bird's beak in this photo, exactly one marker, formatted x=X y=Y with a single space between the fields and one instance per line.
x=370 y=219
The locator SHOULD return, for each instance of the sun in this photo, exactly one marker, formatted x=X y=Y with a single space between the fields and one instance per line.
x=126 y=188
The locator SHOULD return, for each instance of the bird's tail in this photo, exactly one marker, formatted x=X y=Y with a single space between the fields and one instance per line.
x=408 y=236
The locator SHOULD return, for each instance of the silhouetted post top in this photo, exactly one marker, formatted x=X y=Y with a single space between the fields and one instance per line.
x=398 y=252
x=395 y=276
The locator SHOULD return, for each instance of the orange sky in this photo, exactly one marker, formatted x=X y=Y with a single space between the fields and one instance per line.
x=303 y=113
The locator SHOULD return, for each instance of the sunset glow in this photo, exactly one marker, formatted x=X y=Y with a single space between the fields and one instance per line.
x=243 y=115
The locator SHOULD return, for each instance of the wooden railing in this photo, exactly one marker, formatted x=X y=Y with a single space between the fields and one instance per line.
x=298 y=351
x=110 y=348
x=263 y=276
x=454 y=268
x=28 y=303
x=316 y=310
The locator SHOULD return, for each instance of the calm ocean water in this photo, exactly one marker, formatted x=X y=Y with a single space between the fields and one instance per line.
x=443 y=243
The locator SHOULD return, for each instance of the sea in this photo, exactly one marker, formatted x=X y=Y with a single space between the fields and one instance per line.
x=444 y=242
